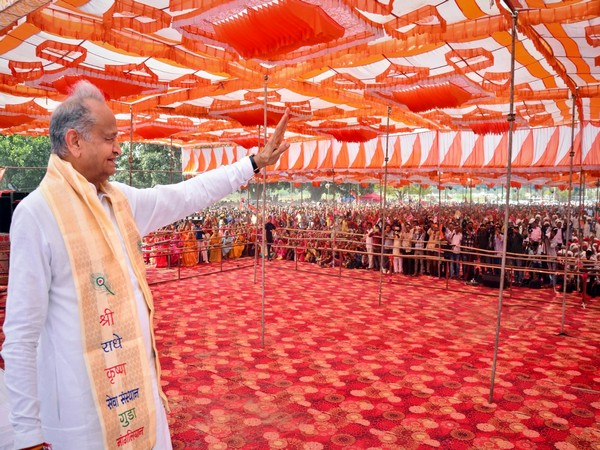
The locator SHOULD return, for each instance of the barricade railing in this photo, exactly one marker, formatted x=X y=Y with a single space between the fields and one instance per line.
x=4 y=258
x=166 y=249
x=344 y=250
x=550 y=269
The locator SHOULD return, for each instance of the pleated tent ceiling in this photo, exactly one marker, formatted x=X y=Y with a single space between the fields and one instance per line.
x=193 y=73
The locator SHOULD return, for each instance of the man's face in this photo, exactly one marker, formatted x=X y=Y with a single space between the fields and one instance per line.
x=96 y=154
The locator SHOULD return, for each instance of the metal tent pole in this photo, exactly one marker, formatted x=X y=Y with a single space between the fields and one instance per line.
x=597 y=199
x=383 y=205
x=571 y=156
x=439 y=224
x=263 y=222
x=130 y=144
x=171 y=161
x=333 y=222
x=258 y=222
x=511 y=122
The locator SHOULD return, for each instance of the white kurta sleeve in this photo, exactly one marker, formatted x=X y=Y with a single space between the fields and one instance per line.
x=26 y=311
x=162 y=205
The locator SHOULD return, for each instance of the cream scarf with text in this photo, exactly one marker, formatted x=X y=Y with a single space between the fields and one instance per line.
x=112 y=340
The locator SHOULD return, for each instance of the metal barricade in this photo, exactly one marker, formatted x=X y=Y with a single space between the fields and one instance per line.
x=4 y=258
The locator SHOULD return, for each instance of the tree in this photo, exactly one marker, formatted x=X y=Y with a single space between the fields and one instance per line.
x=152 y=164
x=26 y=159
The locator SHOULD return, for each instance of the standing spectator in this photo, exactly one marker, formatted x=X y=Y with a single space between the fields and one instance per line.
x=514 y=250
x=535 y=231
x=388 y=245
x=419 y=243
x=269 y=228
x=202 y=244
x=455 y=241
x=483 y=244
x=406 y=249
x=468 y=249
x=397 y=258
x=369 y=244
x=498 y=248
x=550 y=246
x=432 y=250
x=377 y=243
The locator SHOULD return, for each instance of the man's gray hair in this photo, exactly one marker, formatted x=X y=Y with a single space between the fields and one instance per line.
x=73 y=113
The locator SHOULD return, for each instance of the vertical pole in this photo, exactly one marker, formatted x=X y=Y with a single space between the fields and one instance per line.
x=130 y=145
x=334 y=243
x=511 y=122
x=439 y=192
x=171 y=161
x=567 y=237
x=583 y=182
x=597 y=207
x=263 y=221
x=258 y=221
x=439 y=222
x=581 y=203
x=383 y=205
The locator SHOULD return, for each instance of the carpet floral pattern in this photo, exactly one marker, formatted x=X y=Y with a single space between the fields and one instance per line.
x=338 y=369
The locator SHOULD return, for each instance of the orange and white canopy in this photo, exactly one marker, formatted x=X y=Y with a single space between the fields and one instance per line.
x=539 y=156
x=199 y=72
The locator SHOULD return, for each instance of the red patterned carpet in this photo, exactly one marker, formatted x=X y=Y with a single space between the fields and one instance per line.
x=340 y=371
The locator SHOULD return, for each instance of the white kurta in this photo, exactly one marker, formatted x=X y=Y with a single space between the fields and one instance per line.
x=49 y=389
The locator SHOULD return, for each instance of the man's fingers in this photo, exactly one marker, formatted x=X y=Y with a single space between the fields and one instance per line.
x=284 y=120
x=277 y=152
x=281 y=126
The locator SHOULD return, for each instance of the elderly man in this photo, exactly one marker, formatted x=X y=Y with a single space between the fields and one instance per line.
x=81 y=366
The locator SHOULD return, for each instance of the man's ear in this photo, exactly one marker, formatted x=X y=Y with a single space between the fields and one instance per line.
x=72 y=140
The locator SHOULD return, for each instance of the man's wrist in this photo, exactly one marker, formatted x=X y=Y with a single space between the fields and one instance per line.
x=255 y=167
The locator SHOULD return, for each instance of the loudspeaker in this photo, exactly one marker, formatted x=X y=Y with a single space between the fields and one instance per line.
x=5 y=213
x=8 y=202
x=492 y=280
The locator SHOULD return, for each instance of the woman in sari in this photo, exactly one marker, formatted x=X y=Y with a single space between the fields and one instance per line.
x=301 y=249
x=160 y=250
x=238 y=245
x=176 y=247
x=214 y=243
x=190 y=246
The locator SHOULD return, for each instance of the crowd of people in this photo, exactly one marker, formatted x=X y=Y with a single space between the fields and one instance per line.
x=460 y=241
